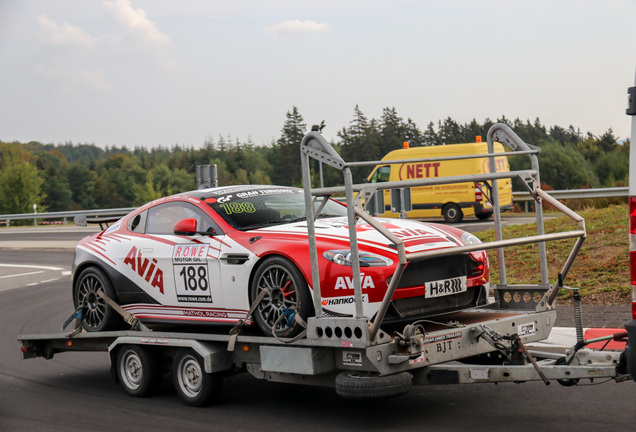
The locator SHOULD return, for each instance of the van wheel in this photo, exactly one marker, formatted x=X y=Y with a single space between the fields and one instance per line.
x=452 y=213
x=484 y=216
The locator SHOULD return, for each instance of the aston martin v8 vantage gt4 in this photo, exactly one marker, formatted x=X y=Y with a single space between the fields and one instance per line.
x=203 y=257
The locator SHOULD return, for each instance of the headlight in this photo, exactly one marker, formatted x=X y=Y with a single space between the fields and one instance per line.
x=367 y=259
x=469 y=239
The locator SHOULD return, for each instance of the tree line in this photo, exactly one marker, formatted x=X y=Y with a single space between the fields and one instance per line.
x=68 y=176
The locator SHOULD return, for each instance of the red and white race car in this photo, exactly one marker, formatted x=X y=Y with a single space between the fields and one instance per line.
x=202 y=257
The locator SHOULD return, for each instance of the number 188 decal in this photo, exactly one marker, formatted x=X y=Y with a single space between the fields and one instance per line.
x=191 y=280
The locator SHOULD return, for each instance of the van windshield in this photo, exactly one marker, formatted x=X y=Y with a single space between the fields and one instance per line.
x=382 y=174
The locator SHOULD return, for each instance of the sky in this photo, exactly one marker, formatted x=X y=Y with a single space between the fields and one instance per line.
x=162 y=73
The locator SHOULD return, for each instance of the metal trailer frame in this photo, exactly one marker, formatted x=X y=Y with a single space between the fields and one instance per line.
x=355 y=354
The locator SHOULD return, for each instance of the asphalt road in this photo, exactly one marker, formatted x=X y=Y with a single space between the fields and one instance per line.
x=74 y=392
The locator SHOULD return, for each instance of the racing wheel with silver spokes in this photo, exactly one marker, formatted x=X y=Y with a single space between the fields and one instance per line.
x=286 y=294
x=96 y=314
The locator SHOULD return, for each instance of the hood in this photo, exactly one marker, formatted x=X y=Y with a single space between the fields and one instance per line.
x=417 y=236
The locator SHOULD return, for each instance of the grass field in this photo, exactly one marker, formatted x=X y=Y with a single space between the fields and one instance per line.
x=601 y=269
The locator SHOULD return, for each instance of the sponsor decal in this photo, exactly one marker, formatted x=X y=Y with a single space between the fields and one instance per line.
x=526 y=329
x=337 y=301
x=191 y=273
x=261 y=192
x=145 y=268
x=419 y=170
x=154 y=341
x=442 y=338
x=351 y=358
x=500 y=165
x=205 y=313
x=190 y=253
x=346 y=282
x=445 y=287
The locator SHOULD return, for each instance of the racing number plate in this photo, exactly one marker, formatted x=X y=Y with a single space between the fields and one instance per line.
x=445 y=287
x=190 y=263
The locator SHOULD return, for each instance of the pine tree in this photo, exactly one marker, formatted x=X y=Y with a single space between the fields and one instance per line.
x=285 y=157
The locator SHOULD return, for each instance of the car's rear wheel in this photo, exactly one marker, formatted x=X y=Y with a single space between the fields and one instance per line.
x=96 y=314
x=287 y=293
x=452 y=213
x=193 y=384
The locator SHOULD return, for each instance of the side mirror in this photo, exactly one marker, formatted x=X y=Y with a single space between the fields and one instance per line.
x=185 y=227
x=188 y=227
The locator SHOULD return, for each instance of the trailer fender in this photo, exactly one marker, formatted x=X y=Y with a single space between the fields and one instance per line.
x=630 y=350
x=215 y=355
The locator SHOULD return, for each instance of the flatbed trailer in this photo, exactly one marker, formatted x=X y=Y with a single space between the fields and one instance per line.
x=363 y=356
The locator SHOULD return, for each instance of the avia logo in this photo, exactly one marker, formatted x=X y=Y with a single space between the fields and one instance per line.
x=412 y=233
x=346 y=282
x=145 y=268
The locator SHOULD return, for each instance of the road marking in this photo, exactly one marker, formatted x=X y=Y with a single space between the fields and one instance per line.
x=22 y=274
x=32 y=266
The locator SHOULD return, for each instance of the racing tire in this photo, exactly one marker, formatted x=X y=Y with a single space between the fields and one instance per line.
x=193 y=384
x=138 y=370
x=97 y=315
x=362 y=385
x=452 y=213
x=288 y=290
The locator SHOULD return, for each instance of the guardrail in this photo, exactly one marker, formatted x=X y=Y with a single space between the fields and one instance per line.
x=516 y=196
x=7 y=218
x=577 y=193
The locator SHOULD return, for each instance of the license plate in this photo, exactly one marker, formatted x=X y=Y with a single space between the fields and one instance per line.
x=445 y=287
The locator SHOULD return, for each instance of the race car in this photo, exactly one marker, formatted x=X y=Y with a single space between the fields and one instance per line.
x=205 y=256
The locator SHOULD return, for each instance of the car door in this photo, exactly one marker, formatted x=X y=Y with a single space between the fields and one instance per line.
x=189 y=264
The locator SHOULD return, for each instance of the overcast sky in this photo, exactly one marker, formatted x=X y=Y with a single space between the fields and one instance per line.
x=159 y=72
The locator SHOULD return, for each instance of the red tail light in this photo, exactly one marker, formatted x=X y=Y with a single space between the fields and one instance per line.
x=478 y=194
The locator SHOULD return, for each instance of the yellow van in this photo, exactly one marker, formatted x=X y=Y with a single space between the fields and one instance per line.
x=452 y=201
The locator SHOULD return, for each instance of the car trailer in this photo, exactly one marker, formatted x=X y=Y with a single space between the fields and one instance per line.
x=361 y=356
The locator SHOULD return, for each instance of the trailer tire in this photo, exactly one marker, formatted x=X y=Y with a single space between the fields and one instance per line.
x=452 y=213
x=138 y=370
x=361 y=385
x=97 y=315
x=565 y=382
x=193 y=384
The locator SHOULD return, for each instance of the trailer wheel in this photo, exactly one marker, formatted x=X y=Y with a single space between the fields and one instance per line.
x=361 y=385
x=193 y=384
x=288 y=292
x=97 y=315
x=139 y=372
x=565 y=382
x=452 y=213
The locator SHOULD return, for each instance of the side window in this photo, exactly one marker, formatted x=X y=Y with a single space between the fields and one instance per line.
x=382 y=174
x=161 y=219
x=137 y=224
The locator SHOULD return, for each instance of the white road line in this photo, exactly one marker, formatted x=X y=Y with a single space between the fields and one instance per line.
x=32 y=266
x=22 y=274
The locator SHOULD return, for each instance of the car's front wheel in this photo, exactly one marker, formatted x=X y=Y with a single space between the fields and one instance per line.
x=96 y=314
x=286 y=293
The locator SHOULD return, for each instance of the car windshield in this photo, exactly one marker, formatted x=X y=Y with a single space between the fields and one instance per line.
x=257 y=208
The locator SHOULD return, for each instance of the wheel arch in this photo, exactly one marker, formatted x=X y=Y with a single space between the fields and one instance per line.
x=262 y=258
